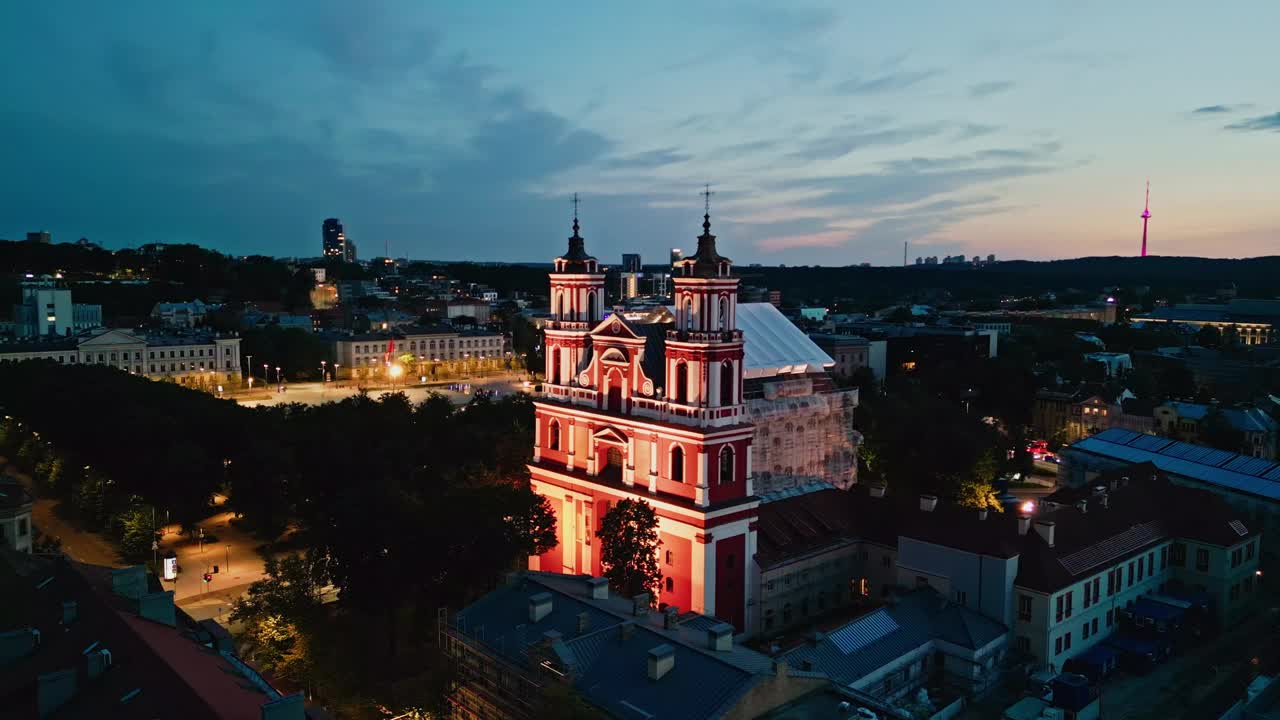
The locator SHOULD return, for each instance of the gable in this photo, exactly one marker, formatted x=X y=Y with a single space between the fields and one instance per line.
x=111 y=337
x=615 y=326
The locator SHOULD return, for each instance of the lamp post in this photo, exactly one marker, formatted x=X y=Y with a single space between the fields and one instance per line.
x=324 y=371
x=228 y=556
x=266 y=377
x=335 y=373
x=278 y=381
x=249 y=367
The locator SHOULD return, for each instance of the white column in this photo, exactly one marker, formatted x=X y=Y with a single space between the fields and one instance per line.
x=702 y=493
x=709 y=575
x=591 y=450
x=653 y=463
x=537 y=438
x=629 y=464
x=713 y=384
x=570 y=449
x=751 y=483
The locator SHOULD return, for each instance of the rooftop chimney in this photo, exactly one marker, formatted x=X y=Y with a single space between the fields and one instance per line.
x=640 y=605
x=1104 y=500
x=1046 y=529
x=670 y=617
x=584 y=622
x=982 y=514
x=97 y=662
x=720 y=637
x=928 y=502
x=598 y=588
x=1024 y=524
x=626 y=629
x=539 y=606
x=1082 y=505
x=816 y=637
x=661 y=660
x=551 y=637
x=876 y=491
x=780 y=668
x=70 y=611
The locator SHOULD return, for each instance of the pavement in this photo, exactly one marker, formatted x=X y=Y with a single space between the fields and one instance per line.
x=315 y=393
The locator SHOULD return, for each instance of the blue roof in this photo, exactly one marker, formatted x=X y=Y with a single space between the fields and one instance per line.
x=1242 y=473
x=1147 y=607
x=881 y=637
x=607 y=668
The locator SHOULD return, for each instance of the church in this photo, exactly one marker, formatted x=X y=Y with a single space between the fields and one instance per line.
x=650 y=407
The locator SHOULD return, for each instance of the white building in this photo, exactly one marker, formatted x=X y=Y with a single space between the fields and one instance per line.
x=15 y=515
x=180 y=314
x=371 y=351
x=1116 y=364
x=187 y=358
x=46 y=310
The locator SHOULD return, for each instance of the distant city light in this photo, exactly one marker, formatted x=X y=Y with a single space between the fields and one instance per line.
x=1028 y=507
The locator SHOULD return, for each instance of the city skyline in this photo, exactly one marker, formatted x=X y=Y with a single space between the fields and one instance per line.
x=830 y=135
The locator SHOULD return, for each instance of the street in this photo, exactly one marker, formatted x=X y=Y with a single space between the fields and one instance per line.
x=315 y=393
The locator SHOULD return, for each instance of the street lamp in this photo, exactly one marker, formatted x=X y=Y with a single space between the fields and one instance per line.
x=249 y=367
x=324 y=371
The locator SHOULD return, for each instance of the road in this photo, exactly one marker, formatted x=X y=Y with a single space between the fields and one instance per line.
x=315 y=393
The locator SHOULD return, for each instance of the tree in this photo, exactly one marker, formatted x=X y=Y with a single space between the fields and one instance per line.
x=629 y=548
x=1216 y=431
x=1208 y=336
x=281 y=612
x=977 y=494
x=134 y=533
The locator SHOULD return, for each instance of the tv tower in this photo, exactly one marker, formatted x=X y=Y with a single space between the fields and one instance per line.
x=1146 y=215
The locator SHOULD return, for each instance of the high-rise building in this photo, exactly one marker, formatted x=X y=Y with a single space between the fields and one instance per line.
x=333 y=240
x=629 y=285
x=348 y=249
x=46 y=310
x=40 y=236
x=631 y=263
x=618 y=420
x=676 y=254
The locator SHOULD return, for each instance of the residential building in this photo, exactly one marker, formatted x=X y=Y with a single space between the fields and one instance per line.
x=1254 y=321
x=180 y=314
x=514 y=646
x=850 y=352
x=909 y=348
x=40 y=236
x=469 y=307
x=1239 y=375
x=631 y=263
x=1248 y=484
x=1183 y=420
x=1071 y=414
x=96 y=642
x=334 y=242
x=47 y=311
x=16 y=532
x=892 y=652
x=202 y=359
x=1114 y=364
x=629 y=285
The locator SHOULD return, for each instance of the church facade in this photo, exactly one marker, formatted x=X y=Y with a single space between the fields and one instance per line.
x=650 y=406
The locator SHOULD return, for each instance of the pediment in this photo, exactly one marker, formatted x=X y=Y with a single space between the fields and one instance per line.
x=615 y=326
x=611 y=435
x=111 y=337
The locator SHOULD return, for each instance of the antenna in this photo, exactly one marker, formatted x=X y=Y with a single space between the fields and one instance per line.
x=1146 y=215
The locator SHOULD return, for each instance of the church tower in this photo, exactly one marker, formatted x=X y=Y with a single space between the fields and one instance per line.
x=577 y=301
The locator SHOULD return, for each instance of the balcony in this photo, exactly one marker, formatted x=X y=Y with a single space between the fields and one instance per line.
x=568 y=325
x=718 y=336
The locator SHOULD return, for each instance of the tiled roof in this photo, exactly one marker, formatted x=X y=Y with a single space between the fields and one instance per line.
x=1243 y=419
x=881 y=637
x=606 y=667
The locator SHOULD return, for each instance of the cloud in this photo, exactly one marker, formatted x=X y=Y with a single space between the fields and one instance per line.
x=647 y=160
x=986 y=89
x=884 y=83
x=1262 y=123
x=968 y=131
x=825 y=239
x=845 y=139
x=1213 y=109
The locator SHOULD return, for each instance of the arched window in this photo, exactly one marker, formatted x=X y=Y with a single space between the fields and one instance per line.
x=688 y=314
x=555 y=305
x=670 y=585
x=726 y=465
x=553 y=436
x=613 y=459
x=591 y=306
x=727 y=384
x=553 y=376
x=724 y=313
x=682 y=382
x=677 y=464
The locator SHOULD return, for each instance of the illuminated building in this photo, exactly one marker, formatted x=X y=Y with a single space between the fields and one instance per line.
x=638 y=408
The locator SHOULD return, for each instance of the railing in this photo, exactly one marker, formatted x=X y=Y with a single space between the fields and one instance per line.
x=568 y=325
x=717 y=336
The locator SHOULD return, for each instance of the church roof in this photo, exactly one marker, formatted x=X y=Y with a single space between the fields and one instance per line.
x=576 y=259
x=773 y=345
x=706 y=262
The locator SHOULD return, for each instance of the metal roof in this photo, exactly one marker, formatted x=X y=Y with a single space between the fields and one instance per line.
x=863 y=631
x=773 y=345
x=1243 y=473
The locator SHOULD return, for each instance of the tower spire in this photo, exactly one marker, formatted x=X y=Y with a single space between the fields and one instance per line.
x=706 y=206
x=1146 y=215
x=575 y=214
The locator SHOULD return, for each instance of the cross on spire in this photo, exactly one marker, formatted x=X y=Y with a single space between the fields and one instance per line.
x=575 y=214
x=706 y=198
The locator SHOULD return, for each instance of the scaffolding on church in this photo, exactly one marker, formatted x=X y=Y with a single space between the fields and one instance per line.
x=803 y=435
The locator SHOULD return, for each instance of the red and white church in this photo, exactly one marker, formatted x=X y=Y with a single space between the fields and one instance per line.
x=650 y=406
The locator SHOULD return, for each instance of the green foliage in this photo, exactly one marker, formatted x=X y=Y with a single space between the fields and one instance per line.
x=296 y=352
x=977 y=494
x=134 y=533
x=1217 y=432
x=629 y=548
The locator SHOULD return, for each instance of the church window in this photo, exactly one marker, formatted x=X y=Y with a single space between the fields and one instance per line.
x=682 y=382
x=554 y=377
x=677 y=464
x=726 y=465
x=688 y=314
x=724 y=313
x=591 y=307
x=553 y=436
x=671 y=586
x=726 y=383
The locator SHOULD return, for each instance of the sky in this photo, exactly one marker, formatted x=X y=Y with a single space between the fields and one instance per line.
x=829 y=133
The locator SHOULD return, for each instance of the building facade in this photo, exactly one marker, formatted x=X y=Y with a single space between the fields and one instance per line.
x=637 y=409
x=47 y=311
x=1257 y=429
x=16 y=532
x=420 y=347
x=189 y=358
